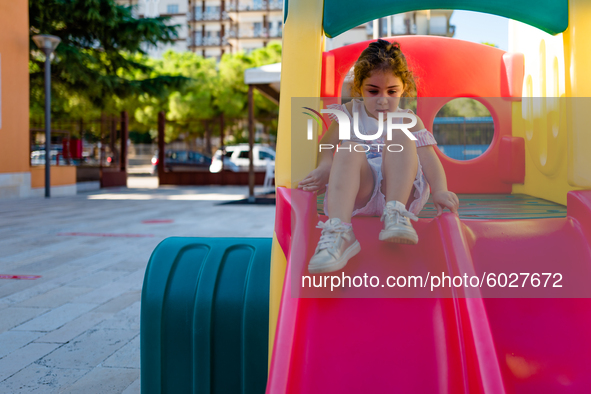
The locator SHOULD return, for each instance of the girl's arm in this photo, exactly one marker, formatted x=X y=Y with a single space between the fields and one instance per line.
x=433 y=171
x=317 y=179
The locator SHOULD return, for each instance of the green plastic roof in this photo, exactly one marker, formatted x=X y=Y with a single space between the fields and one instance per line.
x=550 y=16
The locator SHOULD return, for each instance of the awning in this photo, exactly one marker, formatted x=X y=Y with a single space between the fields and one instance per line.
x=266 y=79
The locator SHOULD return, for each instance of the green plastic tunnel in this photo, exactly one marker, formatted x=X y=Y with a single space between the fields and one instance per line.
x=205 y=316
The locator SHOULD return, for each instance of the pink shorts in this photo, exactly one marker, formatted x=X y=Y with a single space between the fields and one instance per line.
x=377 y=202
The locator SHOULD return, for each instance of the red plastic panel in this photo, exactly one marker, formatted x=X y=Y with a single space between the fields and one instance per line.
x=512 y=160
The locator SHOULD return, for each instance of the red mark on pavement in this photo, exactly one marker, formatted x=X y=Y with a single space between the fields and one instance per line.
x=105 y=235
x=155 y=221
x=28 y=277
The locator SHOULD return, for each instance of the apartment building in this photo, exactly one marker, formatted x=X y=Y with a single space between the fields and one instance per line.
x=220 y=26
x=176 y=9
x=214 y=27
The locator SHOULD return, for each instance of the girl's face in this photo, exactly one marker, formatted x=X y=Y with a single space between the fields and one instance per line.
x=381 y=92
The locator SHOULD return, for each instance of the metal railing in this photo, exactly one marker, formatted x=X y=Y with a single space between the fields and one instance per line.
x=259 y=6
x=259 y=33
x=208 y=41
x=208 y=16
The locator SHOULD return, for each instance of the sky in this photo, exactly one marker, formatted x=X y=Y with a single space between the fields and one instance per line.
x=479 y=27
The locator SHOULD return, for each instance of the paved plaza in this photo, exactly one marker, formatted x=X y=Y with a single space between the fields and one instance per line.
x=76 y=329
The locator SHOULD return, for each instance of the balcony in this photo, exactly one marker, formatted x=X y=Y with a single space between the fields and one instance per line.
x=434 y=30
x=207 y=42
x=258 y=33
x=208 y=17
x=258 y=6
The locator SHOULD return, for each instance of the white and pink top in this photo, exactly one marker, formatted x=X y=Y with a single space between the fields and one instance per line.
x=369 y=125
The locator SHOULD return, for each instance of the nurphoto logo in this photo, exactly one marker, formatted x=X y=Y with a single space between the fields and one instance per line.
x=345 y=128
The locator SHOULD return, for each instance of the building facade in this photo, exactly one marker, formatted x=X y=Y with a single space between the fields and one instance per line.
x=214 y=27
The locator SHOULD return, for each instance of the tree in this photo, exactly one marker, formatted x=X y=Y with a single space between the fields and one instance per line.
x=93 y=65
x=231 y=96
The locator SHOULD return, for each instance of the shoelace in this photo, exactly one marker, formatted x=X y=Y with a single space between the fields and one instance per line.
x=389 y=212
x=329 y=234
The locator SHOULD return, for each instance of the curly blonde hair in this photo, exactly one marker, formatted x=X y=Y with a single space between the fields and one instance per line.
x=383 y=56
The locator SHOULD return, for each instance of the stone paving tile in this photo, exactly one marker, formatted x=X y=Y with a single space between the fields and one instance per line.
x=74 y=328
x=97 y=279
x=126 y=357
x=64 y=274
x=133 y=388
x=13 y=340
x=24 y=356
x=109 y=291
x=16 y=286
x=89 y=349
x=56 y=317
x=56 y=258
x=128 y=318
x=121 y=302
x=56 y=297
x=39 y=379
x=14 y=316
x=103 y=381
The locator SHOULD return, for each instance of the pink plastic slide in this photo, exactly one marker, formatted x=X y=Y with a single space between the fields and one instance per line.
x=460 y=344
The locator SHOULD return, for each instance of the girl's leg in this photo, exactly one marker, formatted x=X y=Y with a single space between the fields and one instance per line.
x=399 y=169
x=350 y=183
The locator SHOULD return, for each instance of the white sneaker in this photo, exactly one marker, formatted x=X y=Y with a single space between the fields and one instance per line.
x=336 y=246
x=397 y=227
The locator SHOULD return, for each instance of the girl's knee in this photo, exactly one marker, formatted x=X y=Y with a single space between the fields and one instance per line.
x=400 y=142
x=351 y=152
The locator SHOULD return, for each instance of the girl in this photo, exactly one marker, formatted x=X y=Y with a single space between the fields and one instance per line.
x=391 y=181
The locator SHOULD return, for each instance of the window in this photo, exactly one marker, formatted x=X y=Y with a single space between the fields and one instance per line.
x=258 y=26
x=266 y=155
x=172 y=9
x=243 y=154
x=228 y=153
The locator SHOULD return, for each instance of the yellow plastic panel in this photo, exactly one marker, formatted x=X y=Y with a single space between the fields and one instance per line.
x=301 y=69
x=541 y=117
x=577 y=52
x=278 y=265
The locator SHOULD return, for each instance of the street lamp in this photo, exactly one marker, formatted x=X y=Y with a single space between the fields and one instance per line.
x=47 y=44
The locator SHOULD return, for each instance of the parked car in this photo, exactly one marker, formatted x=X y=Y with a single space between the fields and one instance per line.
x=182 y=160
x=236 y=158
x=38 y=157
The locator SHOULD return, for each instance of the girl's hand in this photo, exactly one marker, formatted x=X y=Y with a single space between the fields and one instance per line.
x=445 y=199
x=316 y=180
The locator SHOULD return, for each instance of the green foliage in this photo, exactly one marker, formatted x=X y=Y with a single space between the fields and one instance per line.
x=92 y=65
x=466 y=107
x=101 y=67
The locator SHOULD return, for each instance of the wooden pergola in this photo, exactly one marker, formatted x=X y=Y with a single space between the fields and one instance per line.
x=267 y=80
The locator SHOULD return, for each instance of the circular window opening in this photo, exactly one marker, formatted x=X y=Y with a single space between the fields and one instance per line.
x=463 y=129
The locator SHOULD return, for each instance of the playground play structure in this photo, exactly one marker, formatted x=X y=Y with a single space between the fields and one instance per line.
x=206 y=301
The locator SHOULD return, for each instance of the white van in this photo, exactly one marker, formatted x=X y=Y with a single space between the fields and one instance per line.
x=236 y=158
